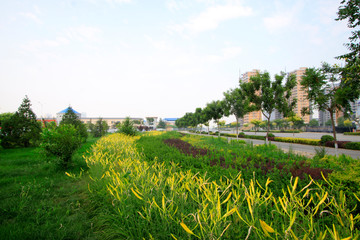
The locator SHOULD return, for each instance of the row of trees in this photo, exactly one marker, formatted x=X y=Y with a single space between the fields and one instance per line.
x=329 y=88
x=259 y=94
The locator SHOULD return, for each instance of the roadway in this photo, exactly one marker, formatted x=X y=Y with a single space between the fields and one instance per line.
x=307 y=150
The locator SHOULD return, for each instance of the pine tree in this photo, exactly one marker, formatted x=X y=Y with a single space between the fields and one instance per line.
x=71 y=118
x=22 y=129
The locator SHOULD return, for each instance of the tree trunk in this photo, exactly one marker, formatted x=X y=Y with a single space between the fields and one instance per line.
x=218 y=129
x=208 y=129
x=334 y=131
x=237 y=128
x=268 y=129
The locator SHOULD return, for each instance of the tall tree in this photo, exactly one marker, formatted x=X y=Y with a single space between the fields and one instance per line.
x=269 y=95
x=161 y=124
x=237 y=104
x=314 y=123
x=321 y=86
x=349 y=10
x=100 y=128
x=216 y=111
x=206 y=117
x=127 y=127
x=350 y=84
x=197 y=118
x=71 y=118
x=21 y=129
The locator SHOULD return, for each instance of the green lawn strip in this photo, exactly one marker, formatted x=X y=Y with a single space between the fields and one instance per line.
x=37 y=199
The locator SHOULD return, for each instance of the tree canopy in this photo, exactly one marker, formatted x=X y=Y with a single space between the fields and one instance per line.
x=21 y=129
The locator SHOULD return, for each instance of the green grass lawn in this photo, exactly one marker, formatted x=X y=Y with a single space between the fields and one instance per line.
x=39 y=201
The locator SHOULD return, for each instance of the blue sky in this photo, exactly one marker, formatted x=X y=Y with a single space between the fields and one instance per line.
x=117 y=58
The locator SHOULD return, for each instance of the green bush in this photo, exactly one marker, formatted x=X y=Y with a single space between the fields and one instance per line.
x=242 y=134
x=255 y=137
x=353 y=145
x=326 y=138
x=61 y=142
x=352 y=133
x=314 y=142
x=127 y=127
x=271 y=135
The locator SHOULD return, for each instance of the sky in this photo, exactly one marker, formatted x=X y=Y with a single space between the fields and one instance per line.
x=163 y=58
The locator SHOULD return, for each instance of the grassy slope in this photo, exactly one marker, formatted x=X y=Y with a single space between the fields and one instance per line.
x=37 y=199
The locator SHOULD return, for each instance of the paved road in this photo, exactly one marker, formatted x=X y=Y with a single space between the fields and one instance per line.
x=307 y=150
x=311 y=135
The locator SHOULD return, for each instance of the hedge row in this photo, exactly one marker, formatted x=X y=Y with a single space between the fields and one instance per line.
x=315 y=142
x=351 y=133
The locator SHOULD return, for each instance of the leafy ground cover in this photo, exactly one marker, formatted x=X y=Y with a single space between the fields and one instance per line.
x=154 y=191
x=39 y=201
x=173 y=186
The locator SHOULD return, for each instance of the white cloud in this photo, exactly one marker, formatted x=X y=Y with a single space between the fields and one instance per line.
x=83 y=34
x=119 y=1
x=284 y=16
x=225 y=54
x=277 y=22
x=212 y=17
x=31 y=16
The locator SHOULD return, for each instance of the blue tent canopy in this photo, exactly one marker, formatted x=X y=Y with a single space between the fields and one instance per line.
x=65 y=110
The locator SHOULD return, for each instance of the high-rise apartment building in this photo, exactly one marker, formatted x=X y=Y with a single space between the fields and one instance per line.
x=299 y=93
x=256 y=114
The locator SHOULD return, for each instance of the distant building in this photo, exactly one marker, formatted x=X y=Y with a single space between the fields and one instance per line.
x=170 y=121
x=112 y=122
x=60 y=114
x=299 y=93
x=151 y=124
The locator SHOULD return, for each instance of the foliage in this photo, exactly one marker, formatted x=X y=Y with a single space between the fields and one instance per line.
x=161 y=124
x=297 y=121
x=70 y=118
x=353 y=145
x=5 y=117
x=328 y=123
x=320 y=86
x=351 y=133
x=315 y=142
x=349 y=9
x=267 y=95
x=142 y=195
x=236 y=103
x=150 y=120
x=350 y=84
x=39 y=201
x=22 y=128
x=314 y=123
x=326 y=138
x=215 y=111
x=127 y=127
x=271 y=135
x=340 y=122
x=348 y=123
x=61 y=142
x=50 y=125
x=100 y=128
x=256 y=123
x=320 y=152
